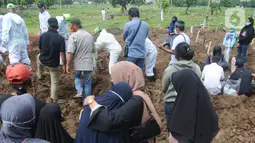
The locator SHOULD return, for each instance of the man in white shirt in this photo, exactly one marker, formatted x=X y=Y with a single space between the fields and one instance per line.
x=107 y=40
x=103 y=12
x=182 y=37
x=43 y=18
x=151 y=56
x=212 y=76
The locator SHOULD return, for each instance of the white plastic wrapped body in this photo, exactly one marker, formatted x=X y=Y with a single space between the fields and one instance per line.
x=232 y=87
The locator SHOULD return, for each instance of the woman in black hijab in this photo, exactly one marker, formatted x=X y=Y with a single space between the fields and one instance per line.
x=194 y=119
x=49 y=126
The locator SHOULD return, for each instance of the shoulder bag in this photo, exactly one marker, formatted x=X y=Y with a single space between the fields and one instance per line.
x=146 y=131
x=126 y=48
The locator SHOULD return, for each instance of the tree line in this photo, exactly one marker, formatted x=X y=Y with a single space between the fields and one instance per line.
x=123 y=3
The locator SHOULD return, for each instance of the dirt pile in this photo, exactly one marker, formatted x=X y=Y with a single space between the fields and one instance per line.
x=236 y=114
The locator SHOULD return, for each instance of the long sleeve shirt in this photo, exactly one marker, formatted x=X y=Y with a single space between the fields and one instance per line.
x=43 y=19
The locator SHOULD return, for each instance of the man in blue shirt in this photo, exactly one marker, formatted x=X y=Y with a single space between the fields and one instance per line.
x=136 y=50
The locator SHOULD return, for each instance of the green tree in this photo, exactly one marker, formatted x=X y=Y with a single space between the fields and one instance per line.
x=67 y=2
x=189 y=3
x=48 y=3
x=179 y=3
x=163 y=5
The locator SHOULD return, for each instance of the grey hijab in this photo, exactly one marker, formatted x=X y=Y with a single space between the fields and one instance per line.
x=18 y=114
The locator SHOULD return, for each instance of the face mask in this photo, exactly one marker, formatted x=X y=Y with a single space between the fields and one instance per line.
x=247 y=23
x=72 y=28
x=175 y=31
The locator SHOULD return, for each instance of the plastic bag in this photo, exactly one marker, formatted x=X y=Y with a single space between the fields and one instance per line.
x=232 y=87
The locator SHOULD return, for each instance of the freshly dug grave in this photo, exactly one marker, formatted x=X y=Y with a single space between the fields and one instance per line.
x=236 y=114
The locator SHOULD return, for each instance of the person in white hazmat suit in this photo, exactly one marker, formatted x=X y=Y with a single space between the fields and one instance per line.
x=108 y=41
x=44 y=16
x=63 y=29
x=15 y=36
x=151 y=56
x=103 y=12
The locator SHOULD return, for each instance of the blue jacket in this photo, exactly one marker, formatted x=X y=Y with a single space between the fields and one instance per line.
x=172 y=25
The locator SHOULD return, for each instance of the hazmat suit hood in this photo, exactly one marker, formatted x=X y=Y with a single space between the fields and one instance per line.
x=16 y=18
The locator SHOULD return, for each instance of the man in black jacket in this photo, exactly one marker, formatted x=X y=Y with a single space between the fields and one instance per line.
x=51 y=46
x=246 y=78
x=245 y=38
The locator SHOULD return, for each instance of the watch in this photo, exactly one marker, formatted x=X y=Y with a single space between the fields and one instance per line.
x=90 y=101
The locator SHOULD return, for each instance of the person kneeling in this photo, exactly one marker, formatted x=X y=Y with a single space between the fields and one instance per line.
x=246 y=78
x=212 y=76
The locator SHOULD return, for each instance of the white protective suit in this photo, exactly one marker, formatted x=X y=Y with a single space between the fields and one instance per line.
x=63 y=31
x=2 y=49
x=151 y=56
x=108 y=41
x=15 y=38
x=43 y=19
x=103 y=14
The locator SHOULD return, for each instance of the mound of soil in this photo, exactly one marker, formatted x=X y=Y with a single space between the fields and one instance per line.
x=236 y=114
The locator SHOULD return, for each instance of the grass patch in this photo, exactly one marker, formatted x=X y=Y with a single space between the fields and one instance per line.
x=90 y=16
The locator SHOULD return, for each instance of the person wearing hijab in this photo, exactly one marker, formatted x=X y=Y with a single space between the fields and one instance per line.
x=138 y=108
x=184 y=55
x=217 y=52
x=229 y=42
x=117 y=96
x=19 y=77
x=194 y=119
x=18 y=117
x=171 y=27
x=49 y=126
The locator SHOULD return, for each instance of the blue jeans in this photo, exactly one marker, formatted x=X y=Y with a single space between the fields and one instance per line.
x=242 y=52
x=87 y=82
x=168 y=111
x=138 y=61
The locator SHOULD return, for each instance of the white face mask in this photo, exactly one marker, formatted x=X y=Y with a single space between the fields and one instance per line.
x=175 y=31
x=247 y=23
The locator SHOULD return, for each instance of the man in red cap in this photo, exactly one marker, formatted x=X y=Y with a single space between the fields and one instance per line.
x=19 y=77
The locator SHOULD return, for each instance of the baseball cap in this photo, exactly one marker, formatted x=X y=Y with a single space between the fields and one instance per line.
x=10 y=5
x=40 y=5
x=97 y=30
x=18 y=73
x=67 y=17
x=76 y=21
x=53 y=22
x=180 y=24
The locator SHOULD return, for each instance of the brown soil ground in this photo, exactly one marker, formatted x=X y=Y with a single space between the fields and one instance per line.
x=236 y=114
